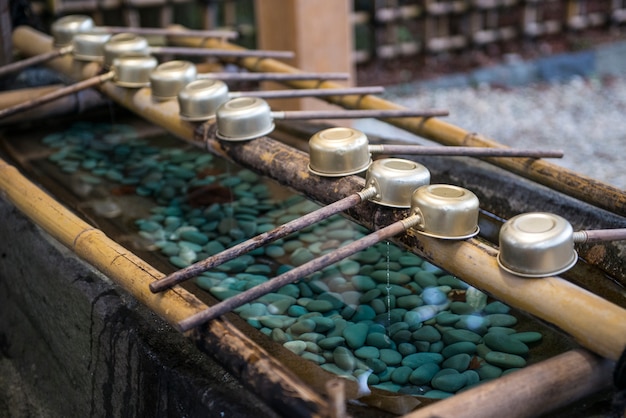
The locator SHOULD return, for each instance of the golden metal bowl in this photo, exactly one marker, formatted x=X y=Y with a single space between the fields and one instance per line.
x=395 y=180
x=337 y=152
x=199 y=100
x=133 y=71
x=537 y=244
x=124 y=44
x=448 y=212
x=169 y=78
x=64 y=29
x=89 y=46
x=243 y=119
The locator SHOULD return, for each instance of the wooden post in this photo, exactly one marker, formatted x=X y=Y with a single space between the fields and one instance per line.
x=319 y=32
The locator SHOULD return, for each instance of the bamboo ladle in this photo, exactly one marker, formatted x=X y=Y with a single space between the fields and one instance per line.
x=66 y=28
x=540 y=244
x=339 y=151
x=129 y=72
x=246 y=118
x=447 y=197
x=199 y=99
x=389 y=182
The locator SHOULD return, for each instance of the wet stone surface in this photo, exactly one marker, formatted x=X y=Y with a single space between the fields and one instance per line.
x=417 y=329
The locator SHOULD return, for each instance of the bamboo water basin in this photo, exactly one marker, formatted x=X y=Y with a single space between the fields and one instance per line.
x=291 y=375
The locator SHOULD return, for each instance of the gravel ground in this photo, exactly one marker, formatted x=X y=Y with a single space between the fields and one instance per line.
x=583 y=117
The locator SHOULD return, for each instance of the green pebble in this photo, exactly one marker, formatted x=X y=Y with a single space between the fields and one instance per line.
x=461 y=308
x=424 y=373
x=447 y=318
x=313 y=337
x=213 y=247
x=496 y=307
x=456 y=335
x=280 y=307
x=426 y=279
x=364 y=313
x=410 y=260
x=376 y=365
x=320 y=306
x=253 y=310
x=458 y=362
x=272 y=321
x=315 y=358
x=390 y=357
x=504 y=330
x=409 y=301
x=355 y=335
x=527 y=337
x=334 y=298
x=437 y=394
x=448 y=382
x=179 y=262
x=291 y=246
x=461 y=347
x=297 y=311
x=501 y=320
x=379 y=340
x=302 y=326
x=402 y=336
x=505 y=343
x=331 y=343
x=344 y=358
x=323 y=324
x=427 y=333
x=194 y=236
x=379 y=306
x=274 y=251
x=416 y=360
x=472 y=377
x=367 y=352
x=475 y=323
x=436 y=347
x=453 y=282
x=394 y=277
x=349 y=267
x=406 y=348
x=488 y=371
x=504 y=360
x=388 y=386
x=369 y=295
x=301 y=256
x=222 y=293
x=401 y=375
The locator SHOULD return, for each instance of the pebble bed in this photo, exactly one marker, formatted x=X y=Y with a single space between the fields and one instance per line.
x=384 y=316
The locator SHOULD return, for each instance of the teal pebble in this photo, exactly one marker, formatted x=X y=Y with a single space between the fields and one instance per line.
x=367 y=352
x=355 y=335
x=416 y=360
x=427 y=333
x=459 y=348
x=401 y=375
x=457 y=335
x=458 y=362
x=501 y=320
x=331 y=343
x=505 y=343
x=344 y=358
x=504 y=360
x=379 y=340
x=528 y=337
x=424 y=373
x=448 y=380
x=390 y=357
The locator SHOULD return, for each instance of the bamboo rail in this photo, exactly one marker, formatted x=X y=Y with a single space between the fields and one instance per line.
x=558 y=178
x=592 y=321
x=531 y=391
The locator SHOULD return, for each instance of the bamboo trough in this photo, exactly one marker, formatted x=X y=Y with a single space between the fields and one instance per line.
x=546 y=299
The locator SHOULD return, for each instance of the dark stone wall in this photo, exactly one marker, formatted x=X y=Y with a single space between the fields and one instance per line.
x=74 y=344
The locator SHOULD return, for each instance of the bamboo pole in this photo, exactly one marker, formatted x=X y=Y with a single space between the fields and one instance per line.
x=530 y=392
x=592 y=321
x=567 y=181
x=254 y=365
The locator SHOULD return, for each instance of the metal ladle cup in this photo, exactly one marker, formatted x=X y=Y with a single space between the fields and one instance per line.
x=446 y=211
x=540 y=244
x=246 y=118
